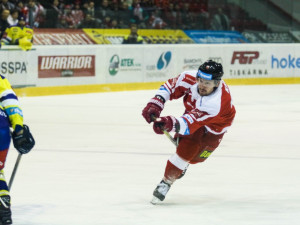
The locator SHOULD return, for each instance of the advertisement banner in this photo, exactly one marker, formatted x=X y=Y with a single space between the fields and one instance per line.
x=215 y=37
x=161 y=63
x=116 y=36
x=123 y=65
x=165 y=37
x=276 y=37
x=296 y=35
x=268 y=37
x=285 y=61
x=247 y=62
x=263 y=61
x=66 y=66
x=253 y=37
x=108 y=64
x=61 y=37
x=190 y=58
x=18 y=66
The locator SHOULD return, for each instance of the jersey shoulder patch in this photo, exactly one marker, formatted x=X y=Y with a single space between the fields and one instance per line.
x=188 y=78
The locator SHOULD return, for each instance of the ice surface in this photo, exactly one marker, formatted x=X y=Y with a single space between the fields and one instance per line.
x=96 y=161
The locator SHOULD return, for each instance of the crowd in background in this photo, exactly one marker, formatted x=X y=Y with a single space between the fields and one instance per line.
x=147 y=14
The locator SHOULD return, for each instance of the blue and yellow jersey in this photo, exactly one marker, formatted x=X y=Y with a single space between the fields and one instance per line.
x=9 y=104
x=14 y=33
x=17 y=35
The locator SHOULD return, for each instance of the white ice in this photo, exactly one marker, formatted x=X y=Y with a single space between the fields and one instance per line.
x=96 y=161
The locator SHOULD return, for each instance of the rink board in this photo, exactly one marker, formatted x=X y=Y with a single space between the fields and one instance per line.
x=98 y=68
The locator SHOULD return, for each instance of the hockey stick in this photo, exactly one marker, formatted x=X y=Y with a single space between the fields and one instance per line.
x=14 y=171
x=175 y=142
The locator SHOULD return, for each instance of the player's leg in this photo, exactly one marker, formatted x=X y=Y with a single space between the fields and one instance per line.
x=209 y=143
x=174 y=168
x=178 y=163
x=5 y=211
x=192 y=149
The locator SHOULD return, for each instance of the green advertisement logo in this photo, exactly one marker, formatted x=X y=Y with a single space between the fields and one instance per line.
x=114 y=65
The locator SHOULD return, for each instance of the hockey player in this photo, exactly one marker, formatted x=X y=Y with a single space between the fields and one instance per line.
x=209 y=113
x=19 y=34
x=11 y=116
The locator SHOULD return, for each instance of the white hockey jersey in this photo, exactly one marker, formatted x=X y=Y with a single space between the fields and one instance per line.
x=215 y=111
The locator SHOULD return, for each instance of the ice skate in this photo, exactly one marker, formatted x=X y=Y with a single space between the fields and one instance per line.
x=5 y=212
x=160 y=192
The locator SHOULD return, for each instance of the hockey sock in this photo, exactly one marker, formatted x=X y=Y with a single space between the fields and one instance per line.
x=171 y=173
x=3 y=186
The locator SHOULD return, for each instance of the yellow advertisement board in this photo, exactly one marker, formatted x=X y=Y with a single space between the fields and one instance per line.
x=116 y=36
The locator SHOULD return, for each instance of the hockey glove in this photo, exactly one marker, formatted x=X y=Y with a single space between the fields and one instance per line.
x=168 y=123
x=22 y=139
x=153 y=108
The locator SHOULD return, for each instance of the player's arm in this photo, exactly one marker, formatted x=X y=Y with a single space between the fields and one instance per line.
x=184 y=125
x=22 y=138
x=171 y=89
x=175 y=88
x=10 y=103
x=192 y=121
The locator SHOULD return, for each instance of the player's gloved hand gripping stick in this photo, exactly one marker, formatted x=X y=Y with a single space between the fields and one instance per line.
x=23 y=141
x=175 y=142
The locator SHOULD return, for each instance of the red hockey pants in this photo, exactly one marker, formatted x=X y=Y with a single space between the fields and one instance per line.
x=198 y=146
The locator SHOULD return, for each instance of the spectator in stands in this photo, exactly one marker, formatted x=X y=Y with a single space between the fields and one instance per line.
x=14 y=2
x=20 y=7
x=198 y=6
x=104 y=13
x=77 y=14
x=3 y=21
x=52 y=15
x=115 y=16
x=34 y=13
x=156 y=21
x=133 y=37
x=72 y=17
x=114 y=24
x=90 y=8
x=106 y=23
x=139 y=15
x=170 y=17
x=162 y=4
x=220 y=21
x=187 y=17
x=63 y=24
x=124 y=15
x=89 y=22
x=67 y=20
x=129 y=2
x=173 y=16
x=6 y=5
x=148 y=5
x=13 y=17
x=201 y=15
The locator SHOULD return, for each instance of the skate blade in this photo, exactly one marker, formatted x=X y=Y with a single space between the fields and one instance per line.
x=155 y=201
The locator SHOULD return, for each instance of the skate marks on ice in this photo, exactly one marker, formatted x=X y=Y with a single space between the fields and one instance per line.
x=113 y=160
x=29 y=214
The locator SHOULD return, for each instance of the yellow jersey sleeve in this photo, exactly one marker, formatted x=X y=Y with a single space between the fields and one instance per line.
x=9 y=103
